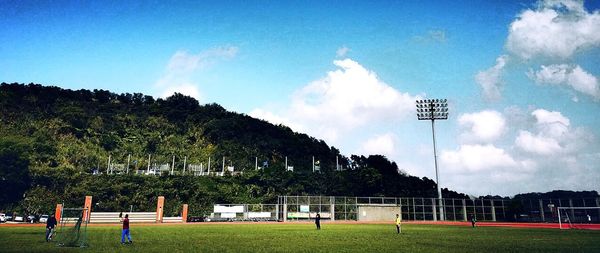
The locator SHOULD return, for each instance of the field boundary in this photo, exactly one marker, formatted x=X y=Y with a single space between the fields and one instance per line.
x=446 y=223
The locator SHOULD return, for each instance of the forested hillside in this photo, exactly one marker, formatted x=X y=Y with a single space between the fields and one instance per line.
x=52 y=139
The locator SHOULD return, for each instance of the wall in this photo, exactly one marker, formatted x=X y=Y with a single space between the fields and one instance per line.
x=376 y=212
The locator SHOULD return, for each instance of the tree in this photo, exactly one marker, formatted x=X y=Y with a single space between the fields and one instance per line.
x=14 y=169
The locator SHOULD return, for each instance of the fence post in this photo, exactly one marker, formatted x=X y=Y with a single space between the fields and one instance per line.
x=493 y=210
x=598 y=205
x=159 y=209
x=87 y=205
x=184 y=213
x=541 y=210
x=57 y=212
x=277 y=211
x=464 y=209
x=285 y=208
x=332 y=201
x=433 y=208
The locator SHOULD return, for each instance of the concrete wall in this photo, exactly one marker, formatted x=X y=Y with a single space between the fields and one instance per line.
x=375 y=212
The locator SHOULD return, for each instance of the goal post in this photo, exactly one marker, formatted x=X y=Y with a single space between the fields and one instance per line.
x=72 y=230
x=576 y=217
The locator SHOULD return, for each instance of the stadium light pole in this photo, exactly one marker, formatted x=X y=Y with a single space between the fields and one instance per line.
x=434 y=109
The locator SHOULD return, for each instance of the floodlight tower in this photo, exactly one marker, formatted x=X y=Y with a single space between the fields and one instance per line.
x=434 y=109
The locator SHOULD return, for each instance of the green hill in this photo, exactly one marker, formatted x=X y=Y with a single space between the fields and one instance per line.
x=53 y=139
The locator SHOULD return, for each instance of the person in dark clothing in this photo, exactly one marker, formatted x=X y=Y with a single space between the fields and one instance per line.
x=473 y=221
x=125 y=230
x=50 y=224
x=318 y=221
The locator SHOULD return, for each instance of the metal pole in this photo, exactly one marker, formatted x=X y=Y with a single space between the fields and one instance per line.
x=148 y=171
x=108 y=166
x=286 y=167
x=493 y=210
x=255 y=163
x=223 y=167
x=184 y=163
x=128 y=160
x=559 y=218
x=464 y=209
x=173 y=166
x=208 y=167
x=453 y=210
x=598 y=205
x=437 y=179
x=433 y=208
x=313 y=164
x=542 y=211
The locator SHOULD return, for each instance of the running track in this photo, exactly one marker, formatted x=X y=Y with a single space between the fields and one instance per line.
x=450 y=223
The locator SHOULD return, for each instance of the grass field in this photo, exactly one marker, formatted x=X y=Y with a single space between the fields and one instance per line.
x=303 y=237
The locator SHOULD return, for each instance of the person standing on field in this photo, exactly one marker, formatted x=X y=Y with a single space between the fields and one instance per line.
x=473 y=221
x=398 y=220
x=50 y=224
x=125 y=229
x=318 y=221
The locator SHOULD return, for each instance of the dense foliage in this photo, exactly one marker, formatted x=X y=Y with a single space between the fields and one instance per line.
x=52 y=139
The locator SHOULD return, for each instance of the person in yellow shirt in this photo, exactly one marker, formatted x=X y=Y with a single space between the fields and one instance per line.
x=398 y=220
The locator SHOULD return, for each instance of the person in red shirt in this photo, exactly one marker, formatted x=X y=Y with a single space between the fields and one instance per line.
x=125 y=230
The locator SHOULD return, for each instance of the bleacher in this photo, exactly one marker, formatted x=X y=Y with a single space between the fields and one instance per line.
x=171 y=219
x=113 y=217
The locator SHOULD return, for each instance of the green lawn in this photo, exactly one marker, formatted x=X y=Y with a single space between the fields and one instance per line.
x=292 y=237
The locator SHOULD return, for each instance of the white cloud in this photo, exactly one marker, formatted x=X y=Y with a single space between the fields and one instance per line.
x=181 y=67
x=490 y=80
x=382 y=144
x=554 y=135
x=342 y=51
x=537 y=144
x=481 y=158
x=345 y=100
x=485 y=126
x=546 y=148
x=551 y=123
x=555 y=29
x=570 y=75
x=553 y=74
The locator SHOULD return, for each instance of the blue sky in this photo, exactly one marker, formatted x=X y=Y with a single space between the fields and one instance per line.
x=521 y=76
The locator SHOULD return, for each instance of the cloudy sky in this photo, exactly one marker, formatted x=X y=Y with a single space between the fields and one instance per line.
x=521 y=77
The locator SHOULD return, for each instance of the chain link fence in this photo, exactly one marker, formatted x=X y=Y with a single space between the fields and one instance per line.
x=426 y=209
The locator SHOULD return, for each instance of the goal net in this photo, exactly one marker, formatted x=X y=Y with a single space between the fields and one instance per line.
x=577 y=217
x=72 y=231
